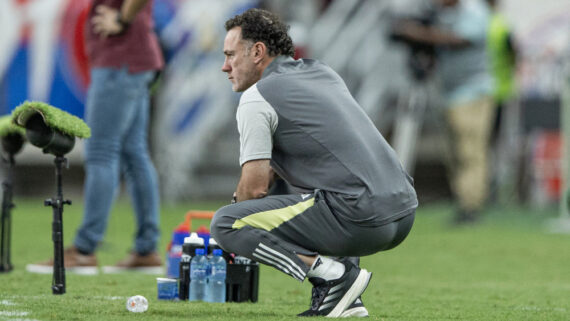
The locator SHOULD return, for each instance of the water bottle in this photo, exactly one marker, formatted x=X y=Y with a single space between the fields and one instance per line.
x=184 y=282
x=198 y=278
x=216 y=290
x=191 y=243
x=212 y=245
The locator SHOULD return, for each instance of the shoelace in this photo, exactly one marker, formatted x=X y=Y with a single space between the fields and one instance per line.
x=317 y=295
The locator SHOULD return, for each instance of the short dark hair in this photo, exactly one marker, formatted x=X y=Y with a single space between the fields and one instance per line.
x=262 y=25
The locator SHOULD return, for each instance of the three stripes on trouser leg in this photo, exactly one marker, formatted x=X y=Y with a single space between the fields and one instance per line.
x=269 y=256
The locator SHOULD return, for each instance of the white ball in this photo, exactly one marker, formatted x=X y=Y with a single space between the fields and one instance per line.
x=137 y=303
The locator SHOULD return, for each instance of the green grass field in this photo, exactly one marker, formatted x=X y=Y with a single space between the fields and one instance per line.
x=506 y=268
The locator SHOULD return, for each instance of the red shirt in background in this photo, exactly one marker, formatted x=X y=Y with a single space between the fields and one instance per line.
x=137 y=48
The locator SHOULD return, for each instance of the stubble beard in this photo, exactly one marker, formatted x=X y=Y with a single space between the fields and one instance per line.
x=250 y=78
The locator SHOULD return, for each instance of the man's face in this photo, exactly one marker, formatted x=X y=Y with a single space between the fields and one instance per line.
x=239 y=64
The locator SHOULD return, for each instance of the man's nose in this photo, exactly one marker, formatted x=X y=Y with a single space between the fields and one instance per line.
x=226 y=67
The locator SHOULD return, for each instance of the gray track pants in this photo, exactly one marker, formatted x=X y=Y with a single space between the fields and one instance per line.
x=272 y=230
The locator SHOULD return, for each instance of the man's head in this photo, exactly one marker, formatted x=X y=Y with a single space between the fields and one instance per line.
x=253 y=40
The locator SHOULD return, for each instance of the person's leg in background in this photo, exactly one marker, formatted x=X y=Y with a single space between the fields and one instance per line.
x=117 y=114
x=142 y=182
x=109 y=108
x=494 y=153
x=470 y=124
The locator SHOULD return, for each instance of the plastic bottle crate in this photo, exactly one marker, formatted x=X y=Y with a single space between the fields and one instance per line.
x=242 y=282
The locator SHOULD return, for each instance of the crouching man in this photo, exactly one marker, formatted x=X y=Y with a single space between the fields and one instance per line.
x=297 y=119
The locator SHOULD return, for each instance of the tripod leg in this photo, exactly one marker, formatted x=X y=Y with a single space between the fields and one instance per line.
x=58 y=283
x=5 y=262
x=3 y=245
x=8 y=241
x=409 y=120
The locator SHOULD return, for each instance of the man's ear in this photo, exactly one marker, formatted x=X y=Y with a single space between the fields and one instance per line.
x=259 y=51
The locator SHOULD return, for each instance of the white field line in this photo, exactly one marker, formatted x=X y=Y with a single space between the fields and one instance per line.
x=10 y=314
x=14 y=313
x=111 y=298
x=537 y=309
x=28 y=297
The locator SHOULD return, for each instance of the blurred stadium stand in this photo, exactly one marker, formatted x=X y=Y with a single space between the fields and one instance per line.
x=194 y=139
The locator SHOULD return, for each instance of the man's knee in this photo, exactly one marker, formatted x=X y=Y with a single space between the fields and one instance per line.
x=220 y=226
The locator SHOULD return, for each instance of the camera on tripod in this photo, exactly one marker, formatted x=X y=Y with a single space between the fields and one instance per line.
x=422 y=59
x=54 y=131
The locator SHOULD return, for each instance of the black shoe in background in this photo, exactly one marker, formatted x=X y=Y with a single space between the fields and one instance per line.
x=466 y=217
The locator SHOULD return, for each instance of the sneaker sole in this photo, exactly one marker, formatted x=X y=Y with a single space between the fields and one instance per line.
x=44 y=269
x=359 y=312
x=354 y=292
x=144 y=270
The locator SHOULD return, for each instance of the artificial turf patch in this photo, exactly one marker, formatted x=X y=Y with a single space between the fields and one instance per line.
x=53 y=117
x=9 y=128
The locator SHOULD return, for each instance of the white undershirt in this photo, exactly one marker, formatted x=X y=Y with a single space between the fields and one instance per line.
x=256 y=123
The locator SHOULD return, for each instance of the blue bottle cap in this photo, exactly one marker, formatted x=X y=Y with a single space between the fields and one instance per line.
x=199 y=251
x=217 y=252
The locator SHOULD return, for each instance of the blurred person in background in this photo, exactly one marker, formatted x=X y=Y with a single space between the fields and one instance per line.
x=460 y=36
x=502 y=59
x=124 y=56
x=297 y=119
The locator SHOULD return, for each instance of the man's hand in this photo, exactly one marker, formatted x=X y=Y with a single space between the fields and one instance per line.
x=106 y=21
